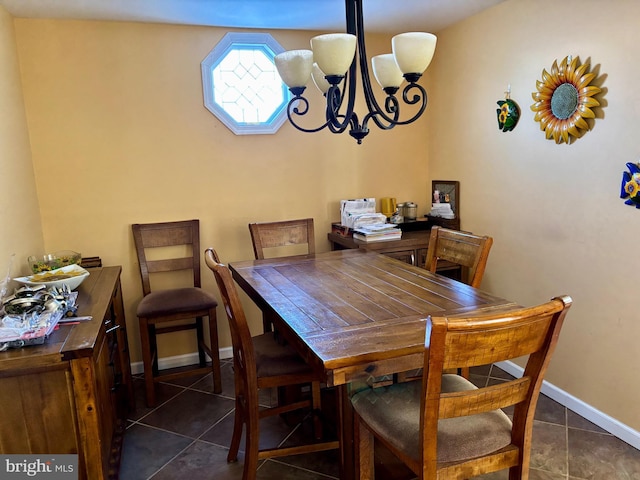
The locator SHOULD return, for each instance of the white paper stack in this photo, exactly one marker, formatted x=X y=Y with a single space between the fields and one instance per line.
x=361 y=211
x=442 y=210
x=377 y=232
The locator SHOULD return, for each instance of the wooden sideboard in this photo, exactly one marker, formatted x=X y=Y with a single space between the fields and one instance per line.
x=72 y=393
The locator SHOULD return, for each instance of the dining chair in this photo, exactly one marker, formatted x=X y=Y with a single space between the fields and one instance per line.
x=173 y=248
x=465 y=249
x=260 y=362
x=281 y=239
x=444 y=426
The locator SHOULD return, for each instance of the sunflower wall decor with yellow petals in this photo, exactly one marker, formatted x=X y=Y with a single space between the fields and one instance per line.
x=565 y=99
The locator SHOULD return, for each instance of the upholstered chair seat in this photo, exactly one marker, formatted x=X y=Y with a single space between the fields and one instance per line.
x=179 y=300
x=395 y=412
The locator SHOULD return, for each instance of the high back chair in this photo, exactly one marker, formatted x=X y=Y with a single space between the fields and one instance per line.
x=461 y=248
x=268 y=236
x=282 y=234
x=260 y=362
x=445 y=427
x=176 y=247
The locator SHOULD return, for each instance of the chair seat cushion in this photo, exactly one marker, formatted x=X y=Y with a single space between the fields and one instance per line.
x=394 y=412
x=178 y=300
x=275 y=359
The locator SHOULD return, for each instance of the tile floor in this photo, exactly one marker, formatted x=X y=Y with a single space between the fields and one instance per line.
x=187 y=436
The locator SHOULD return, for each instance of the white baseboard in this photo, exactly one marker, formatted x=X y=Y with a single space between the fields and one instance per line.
x=604 y=421
x=179 y=360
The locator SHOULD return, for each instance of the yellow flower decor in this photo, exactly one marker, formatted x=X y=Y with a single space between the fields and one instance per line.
x=564 y=99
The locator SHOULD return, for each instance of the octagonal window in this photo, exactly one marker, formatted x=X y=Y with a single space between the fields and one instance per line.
x=241 y=85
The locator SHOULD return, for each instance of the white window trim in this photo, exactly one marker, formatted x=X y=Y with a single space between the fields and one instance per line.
x=213 y=59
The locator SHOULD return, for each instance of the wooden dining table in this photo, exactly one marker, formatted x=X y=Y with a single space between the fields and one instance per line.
x=356 y=315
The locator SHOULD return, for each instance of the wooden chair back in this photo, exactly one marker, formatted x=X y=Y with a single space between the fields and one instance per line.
x=167 y=234
x=282 y=234
x=462 y=248
x=481 y=340
x=244 y=361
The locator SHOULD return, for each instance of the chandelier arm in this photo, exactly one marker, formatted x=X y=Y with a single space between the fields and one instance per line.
x=293 y=109
x=339 y=122
x=382 y=121
x=420 y=97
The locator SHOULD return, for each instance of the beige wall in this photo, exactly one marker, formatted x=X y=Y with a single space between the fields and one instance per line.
x=554 y=210
x=120 y=135
x=20 y=216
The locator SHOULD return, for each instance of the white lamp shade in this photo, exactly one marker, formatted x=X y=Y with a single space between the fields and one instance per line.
x=334 y=52
x=386 y=70
x=294 y=67
x=318 y=78
x=413 y=51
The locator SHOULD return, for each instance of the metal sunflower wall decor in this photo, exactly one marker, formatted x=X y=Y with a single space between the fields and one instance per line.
x=565 y=99
x=630 y=190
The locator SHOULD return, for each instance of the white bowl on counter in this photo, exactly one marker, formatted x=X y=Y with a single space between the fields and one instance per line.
x=71 y=276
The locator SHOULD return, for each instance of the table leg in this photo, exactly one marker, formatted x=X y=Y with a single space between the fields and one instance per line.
x=347 y=466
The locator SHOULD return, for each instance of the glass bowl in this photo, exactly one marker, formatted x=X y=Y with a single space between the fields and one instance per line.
x=52 y=261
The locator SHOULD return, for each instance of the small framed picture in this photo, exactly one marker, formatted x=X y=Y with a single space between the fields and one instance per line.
x=447 y=191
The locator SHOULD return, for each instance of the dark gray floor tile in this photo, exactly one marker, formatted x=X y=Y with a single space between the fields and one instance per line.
x=549 y=448
x=576 y=421
x=497 y=372
x=273 y=431
x=205 y=384
x=147 y=449
x=533 y=475
x=597 y=456
x=550 y=411
x=276 y=470
x=190 y=413
x=327 y=462
x=164 y=392
x=481 y=370
x=201 y=461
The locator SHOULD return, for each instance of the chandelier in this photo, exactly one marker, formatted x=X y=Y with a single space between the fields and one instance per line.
x=332 y=64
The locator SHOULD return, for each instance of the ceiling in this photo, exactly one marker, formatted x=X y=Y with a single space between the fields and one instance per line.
x=323 y=15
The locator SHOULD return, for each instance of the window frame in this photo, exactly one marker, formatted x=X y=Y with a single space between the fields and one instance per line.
x=229 y=42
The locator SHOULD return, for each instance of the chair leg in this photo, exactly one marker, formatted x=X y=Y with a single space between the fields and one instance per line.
x=147 y=361
x=153 y=342
x=200 y=334
x=363 y=442
x=252 y=447
x=316 y=406
x=464 y=372
x=238 y=421
x=215 y=351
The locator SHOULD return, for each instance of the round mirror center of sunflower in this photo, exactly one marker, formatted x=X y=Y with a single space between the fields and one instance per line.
x=564 y=101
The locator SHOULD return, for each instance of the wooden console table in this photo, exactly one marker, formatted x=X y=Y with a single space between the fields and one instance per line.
x=72 y=394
